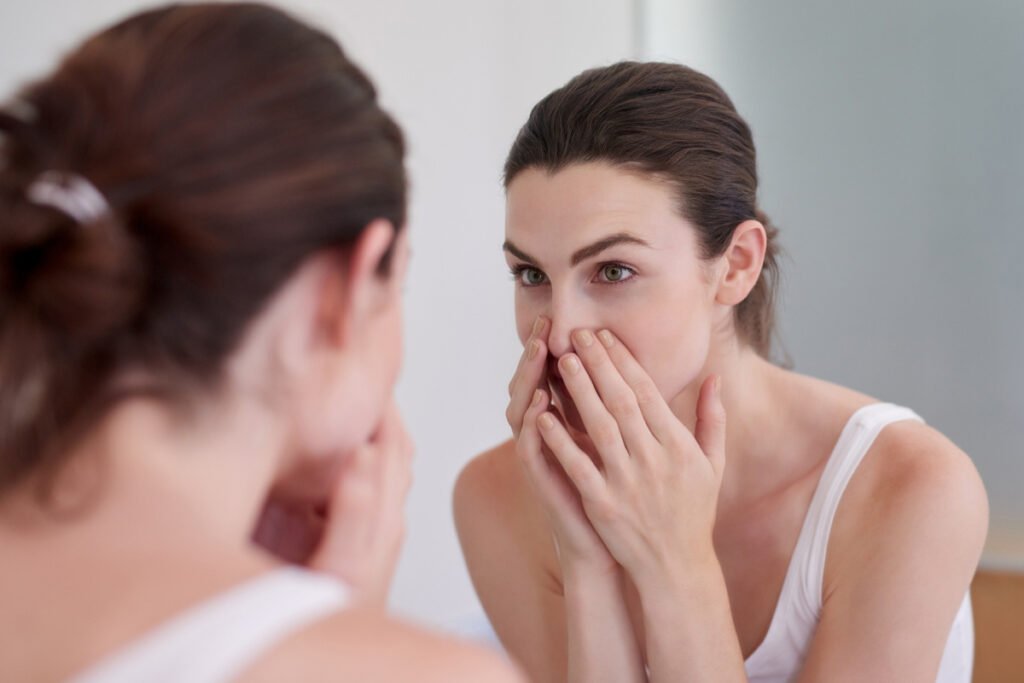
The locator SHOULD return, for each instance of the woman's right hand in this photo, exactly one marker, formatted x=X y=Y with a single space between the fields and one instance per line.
x=357 y=534
x=578 y=546
x=365 y=520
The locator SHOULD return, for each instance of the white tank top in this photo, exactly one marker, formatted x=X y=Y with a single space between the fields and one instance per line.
x=780 y=656
x=218 y=639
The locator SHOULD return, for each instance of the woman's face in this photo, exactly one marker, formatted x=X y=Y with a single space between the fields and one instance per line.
x=598 y=247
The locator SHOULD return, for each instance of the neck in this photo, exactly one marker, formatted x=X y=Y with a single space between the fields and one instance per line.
x=149 y=473
x=754 y=394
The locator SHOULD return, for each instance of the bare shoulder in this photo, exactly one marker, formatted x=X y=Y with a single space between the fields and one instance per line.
x=494 y=472
x=508 y=548
x=915 y=490
x=904 y=547
x=912 y=465
x=492 y=495
x=365 y=645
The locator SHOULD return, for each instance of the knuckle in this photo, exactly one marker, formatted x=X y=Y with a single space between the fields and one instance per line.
x=621 y=405
x=605 y=434
x=579 y=471
x=646 y=393
x=603 y=509
x=675 y=443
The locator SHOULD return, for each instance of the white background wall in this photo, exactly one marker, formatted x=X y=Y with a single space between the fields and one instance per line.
x=461 y=76
x=892 y=158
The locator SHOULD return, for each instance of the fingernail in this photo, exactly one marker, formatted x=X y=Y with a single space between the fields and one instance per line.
x=718 y=385
x=533 y=349
x=571 y=364
x=536 y=397
x=584 y=338
x=606 y=338
x=538 y=325
x=546 y=421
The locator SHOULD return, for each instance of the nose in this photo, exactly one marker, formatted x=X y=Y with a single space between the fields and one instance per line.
x=567 y=314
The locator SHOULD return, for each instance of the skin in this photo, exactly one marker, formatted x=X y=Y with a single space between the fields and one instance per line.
x=645 y=511
x=301 y=441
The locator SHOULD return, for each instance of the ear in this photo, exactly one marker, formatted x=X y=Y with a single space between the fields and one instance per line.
x=354 y=292
x=741 y=263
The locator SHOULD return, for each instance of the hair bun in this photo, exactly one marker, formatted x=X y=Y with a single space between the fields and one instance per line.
x=84 y=281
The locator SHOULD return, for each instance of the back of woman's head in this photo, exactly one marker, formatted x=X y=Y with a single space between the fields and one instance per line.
x=677 y=125
x=229 y=142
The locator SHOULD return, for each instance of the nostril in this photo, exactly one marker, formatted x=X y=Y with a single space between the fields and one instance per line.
x=553 y=367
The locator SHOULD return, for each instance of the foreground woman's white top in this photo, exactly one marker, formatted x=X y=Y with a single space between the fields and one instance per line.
x=781 y=654
x=217 y=640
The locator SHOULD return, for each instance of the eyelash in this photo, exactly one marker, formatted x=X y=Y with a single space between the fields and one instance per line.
x=518 y=270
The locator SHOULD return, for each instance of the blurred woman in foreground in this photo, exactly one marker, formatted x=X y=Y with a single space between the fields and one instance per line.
x=201 y=255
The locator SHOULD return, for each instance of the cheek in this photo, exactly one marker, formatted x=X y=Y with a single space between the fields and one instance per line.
x=396 y=346
x=670 y=338
x=526 y=313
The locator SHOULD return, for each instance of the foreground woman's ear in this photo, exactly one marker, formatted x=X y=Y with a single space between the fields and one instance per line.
x=364 y=285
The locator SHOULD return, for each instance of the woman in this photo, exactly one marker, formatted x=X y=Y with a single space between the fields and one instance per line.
x=201 y=254
x=672 y=504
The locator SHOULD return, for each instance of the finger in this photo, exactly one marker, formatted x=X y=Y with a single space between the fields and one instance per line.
x=529 y=446
x=600 y=425
x=663 y=423
x=350 y=515
x=536 y=332
x=581 y=470
x=542 y=469
x=395 y=482
x=396 y=447
x=711 y=423
x=614 y=392
x=528 y=378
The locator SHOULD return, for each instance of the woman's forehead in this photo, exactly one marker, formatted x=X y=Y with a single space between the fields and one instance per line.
x=580 y=204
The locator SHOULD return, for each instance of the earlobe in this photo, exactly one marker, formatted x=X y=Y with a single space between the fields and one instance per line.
x=743 y=261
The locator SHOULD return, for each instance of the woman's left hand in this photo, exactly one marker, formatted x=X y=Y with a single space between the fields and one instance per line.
x=653 y=498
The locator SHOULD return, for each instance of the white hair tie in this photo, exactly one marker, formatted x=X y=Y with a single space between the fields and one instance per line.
x=69 y=193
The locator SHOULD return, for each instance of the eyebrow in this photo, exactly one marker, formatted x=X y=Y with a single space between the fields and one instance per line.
x=584 y=253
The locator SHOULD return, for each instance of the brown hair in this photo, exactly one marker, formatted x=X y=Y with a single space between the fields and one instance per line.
x=231 y=142
x=673 y=123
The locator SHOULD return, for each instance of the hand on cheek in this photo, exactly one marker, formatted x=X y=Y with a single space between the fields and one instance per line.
x=357 y=534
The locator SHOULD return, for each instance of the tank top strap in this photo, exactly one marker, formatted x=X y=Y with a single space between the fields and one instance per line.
x=854 y=442
x=780 y=656
x=216 y=640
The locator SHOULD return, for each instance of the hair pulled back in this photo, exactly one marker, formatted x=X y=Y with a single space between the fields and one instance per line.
x=230 y=142
x=673 y=123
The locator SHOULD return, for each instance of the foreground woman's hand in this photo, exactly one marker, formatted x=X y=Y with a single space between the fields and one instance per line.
x=652 y=496
x=358 y=535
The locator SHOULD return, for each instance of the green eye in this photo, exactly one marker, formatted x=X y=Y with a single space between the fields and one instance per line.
x=613 y=272
x=531 y=277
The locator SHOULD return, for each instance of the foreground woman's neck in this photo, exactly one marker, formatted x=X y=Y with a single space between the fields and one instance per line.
x=149 y=472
